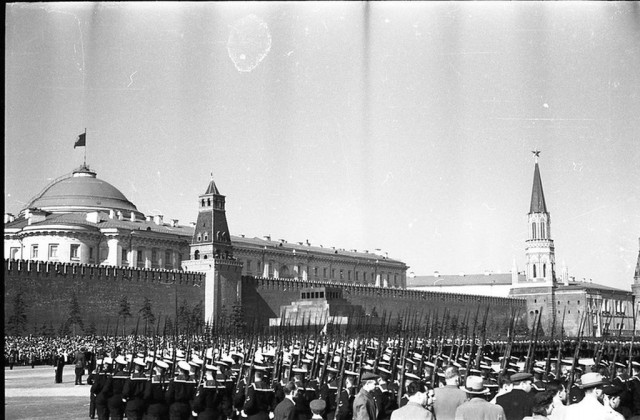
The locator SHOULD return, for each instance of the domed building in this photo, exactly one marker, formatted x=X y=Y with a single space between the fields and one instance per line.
x=80 y=218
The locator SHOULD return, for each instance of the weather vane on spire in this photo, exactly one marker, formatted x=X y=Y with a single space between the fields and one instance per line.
x=536 y=153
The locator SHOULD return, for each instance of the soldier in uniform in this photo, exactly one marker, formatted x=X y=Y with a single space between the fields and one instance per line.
x=259 y=400
x=347 y=395
x=328 y=391
x=384 y=395
x=210 y=396
x=180 y=393
x=114 y=387
x=91 y=380
x=133 y=391
x=306 y=393
x=154 y=393
x=98 y=388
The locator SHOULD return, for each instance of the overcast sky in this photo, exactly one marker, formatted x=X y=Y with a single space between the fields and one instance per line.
x=405 y=127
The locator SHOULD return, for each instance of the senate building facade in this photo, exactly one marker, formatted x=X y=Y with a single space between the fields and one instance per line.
x=80 y=218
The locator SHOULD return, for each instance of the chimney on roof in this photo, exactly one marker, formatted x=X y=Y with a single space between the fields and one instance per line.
x=487 y=272
x=34 y=216
x=120 y=215
x=461 y=274
x=133 y=216
x=8 y=218
x=242 y=235
x=267 y=237
x=308 y=243
x=148 y=218
x=174 y=222
x=112 y=214
x=366 y=251
x=282 y=241
x=157 y=219
x=436 y=274
x=93 y=217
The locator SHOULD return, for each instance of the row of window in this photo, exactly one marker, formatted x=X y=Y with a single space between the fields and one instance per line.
x=334 y=274
x=53 y=252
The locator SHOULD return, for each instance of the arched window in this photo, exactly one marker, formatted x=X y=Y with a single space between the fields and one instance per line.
x=544 y=270
x=206 y=236
x=203 y=202
x=533 y=231
x=543 y=231
x=196 y=255
x=199 y=238
x=208 y=202
x=534 y=271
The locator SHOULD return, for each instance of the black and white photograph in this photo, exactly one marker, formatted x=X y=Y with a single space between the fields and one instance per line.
x=334 y=210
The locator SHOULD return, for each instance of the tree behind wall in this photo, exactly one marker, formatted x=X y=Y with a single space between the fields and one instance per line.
x=147 y=314
x=124 y=311
x=75 y=318
x=18 y=320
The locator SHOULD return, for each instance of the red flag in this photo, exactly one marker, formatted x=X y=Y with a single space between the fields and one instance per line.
x=82 y=141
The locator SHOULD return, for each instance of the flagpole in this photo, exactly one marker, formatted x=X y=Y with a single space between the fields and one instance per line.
x=85 y=147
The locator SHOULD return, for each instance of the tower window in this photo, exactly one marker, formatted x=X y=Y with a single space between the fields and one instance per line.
x=534 y=271
x=208 y=202
x=199 y=238
x=543 y=231
x=533 y=232
x=544 y=270
x=206 y=236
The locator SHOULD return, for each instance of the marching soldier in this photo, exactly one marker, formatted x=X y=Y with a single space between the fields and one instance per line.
x=114 y=388
x=210 y=400
x=104 y=369
x=259 y=400
x=133 y=391
x=180 y=393
x=347 y=395
x=154 y=393
x=328 y=392
x=306 y=393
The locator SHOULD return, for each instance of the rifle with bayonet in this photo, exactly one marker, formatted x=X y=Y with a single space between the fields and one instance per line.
x=576 y=355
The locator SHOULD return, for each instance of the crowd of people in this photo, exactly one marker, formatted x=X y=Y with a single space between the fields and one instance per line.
x=320 y=377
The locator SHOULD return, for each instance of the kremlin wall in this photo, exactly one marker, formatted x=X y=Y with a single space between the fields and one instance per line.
x=81 y=237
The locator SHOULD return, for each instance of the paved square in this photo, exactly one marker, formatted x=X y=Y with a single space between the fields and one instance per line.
x=32 y=394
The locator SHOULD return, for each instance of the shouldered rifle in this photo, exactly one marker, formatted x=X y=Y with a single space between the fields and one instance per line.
x=341 y=375
x=576 y=355
x=403 y=370
x=135 y=347
x=560 y=345
x=633 y=336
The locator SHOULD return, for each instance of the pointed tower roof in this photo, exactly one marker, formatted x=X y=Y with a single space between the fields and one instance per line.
x=212 y=189
x=538 y=204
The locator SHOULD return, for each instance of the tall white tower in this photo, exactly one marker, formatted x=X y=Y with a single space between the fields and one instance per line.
x=539 y=249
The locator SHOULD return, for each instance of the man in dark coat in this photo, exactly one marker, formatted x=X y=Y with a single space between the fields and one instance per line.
x=58 y=362
x=80 y=363
x=518 y=403
x=364 y=408
x=285 y=410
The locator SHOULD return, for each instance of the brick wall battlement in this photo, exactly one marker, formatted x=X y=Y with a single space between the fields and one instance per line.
x=374 y=291
x=103 y=272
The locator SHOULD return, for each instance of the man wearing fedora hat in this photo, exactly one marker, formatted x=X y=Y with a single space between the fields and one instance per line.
x=590 y=408
x=364 y=408
x=477 y=407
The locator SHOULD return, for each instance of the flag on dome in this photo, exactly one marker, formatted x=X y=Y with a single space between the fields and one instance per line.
x=82 y=140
